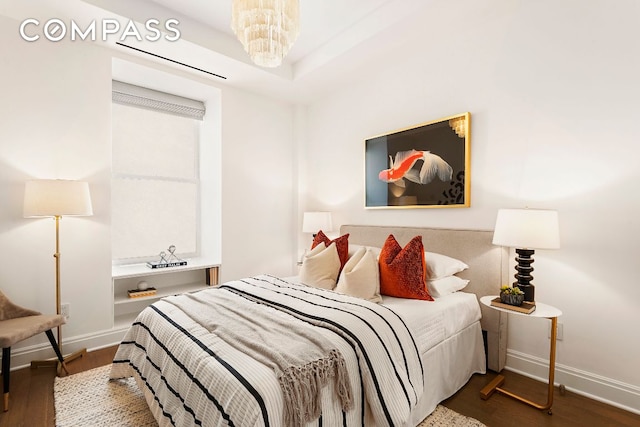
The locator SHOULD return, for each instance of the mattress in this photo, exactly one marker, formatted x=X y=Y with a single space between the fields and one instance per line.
x=432 y=322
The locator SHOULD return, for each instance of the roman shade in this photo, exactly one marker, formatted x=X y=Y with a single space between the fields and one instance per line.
x=128 y=94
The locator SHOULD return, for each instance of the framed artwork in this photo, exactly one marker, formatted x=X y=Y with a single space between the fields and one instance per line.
x=426 y=166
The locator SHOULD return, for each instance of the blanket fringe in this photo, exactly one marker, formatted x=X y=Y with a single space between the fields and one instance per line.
x=301 y=387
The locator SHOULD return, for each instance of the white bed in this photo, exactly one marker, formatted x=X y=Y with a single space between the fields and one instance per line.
x=450 y=341
x=488 y=270
x=441 y=350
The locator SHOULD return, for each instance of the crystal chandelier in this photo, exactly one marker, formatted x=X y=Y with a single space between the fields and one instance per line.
x=266 y=28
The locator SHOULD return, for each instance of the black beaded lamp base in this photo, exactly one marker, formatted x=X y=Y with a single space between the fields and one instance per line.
x=523 y=276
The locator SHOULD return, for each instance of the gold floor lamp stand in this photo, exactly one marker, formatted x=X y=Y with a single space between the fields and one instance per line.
x=75 y=355
x=496 y=383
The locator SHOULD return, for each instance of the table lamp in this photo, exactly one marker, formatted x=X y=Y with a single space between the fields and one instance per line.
x=312 y=222
x=526 y=230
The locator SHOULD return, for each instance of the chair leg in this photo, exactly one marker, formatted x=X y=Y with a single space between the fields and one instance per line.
x=6 y=365
x=54 y=344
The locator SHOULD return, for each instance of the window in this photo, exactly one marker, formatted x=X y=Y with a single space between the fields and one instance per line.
x=155 y=194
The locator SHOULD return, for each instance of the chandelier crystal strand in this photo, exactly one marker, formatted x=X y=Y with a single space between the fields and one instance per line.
x=266 y=28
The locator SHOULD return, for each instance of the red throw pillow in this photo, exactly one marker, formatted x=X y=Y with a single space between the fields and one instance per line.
x=342 y=245
x=402 y=270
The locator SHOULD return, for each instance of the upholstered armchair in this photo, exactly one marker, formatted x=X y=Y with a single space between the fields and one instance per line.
x=17 y=324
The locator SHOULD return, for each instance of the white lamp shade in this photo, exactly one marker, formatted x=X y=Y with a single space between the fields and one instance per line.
x=527 y=229
x=56 y=197
x=312 y=222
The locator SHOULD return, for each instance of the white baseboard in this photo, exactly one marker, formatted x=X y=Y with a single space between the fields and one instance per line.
x=22 y=357
x=596 y=387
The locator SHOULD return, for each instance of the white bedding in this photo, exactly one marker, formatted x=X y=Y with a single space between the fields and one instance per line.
x=447 y=335
x=432 y=322
x=449 y=339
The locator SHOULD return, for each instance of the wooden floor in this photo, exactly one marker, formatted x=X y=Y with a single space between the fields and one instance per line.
x=568 y=410
x=31 y=403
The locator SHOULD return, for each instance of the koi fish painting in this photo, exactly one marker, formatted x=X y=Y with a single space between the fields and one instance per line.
x=423 y=166
x=429 y=166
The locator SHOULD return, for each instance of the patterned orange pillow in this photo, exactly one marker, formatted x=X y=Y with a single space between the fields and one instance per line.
x=342 y=244
x=403 y=270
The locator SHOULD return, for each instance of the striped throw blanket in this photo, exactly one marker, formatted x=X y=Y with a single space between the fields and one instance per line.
x=302 y=360
x=201 y=359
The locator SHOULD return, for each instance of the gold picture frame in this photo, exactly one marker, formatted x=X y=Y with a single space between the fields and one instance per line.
x=423 y=166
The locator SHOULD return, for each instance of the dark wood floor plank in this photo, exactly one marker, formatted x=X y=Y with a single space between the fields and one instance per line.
x=32 y=401
x=568 y=410
x=41 y=396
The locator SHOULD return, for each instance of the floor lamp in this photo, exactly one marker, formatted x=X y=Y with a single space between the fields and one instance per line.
x=57 y=198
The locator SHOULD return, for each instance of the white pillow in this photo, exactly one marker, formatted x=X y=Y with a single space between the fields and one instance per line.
x=360 y=276
x=354 y=248
x=320 y=267
x=446 y=285
x=443 y=266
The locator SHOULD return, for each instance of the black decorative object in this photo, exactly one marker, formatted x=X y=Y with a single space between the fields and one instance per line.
x=511 y=295
x=511 y=299
x=524 y=259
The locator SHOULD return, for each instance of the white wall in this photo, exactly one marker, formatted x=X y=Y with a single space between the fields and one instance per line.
x=552 y=90
x=257 y=178
x=55 y=124
x=55 y=109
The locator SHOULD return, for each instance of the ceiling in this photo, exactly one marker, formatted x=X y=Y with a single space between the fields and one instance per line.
x=320 y=20
x=335 y=36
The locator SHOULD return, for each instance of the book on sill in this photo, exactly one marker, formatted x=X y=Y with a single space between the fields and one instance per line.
x=137 y=293
x=158 y=264
x=526 y=307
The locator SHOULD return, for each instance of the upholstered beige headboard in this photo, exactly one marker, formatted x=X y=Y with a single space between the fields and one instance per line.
x=488 y=269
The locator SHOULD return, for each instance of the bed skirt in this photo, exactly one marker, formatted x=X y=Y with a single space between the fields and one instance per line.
x=448 y=367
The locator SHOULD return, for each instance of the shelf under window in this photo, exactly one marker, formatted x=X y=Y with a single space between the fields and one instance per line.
x=161 y=293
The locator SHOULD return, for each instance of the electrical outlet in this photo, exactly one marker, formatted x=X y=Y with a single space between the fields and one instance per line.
x=560 y=334
x=64 y=310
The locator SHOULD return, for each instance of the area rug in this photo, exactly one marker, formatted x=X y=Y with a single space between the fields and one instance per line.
x=90 y=399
